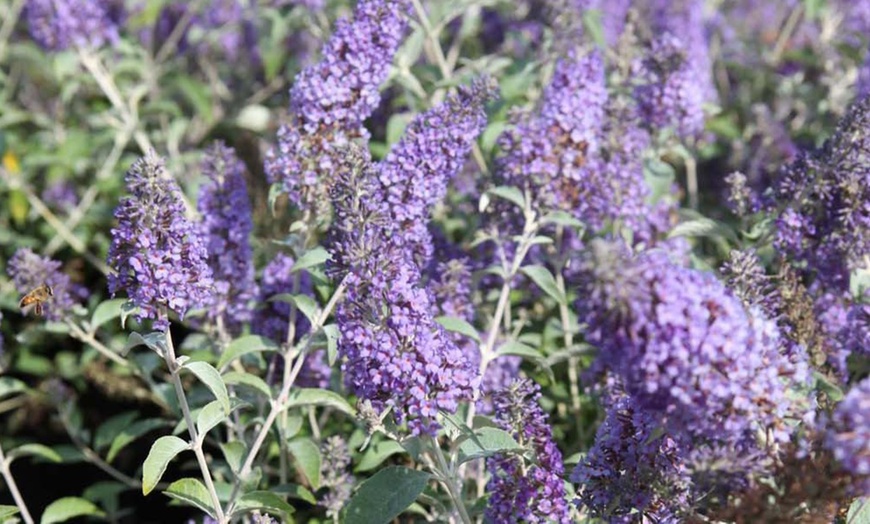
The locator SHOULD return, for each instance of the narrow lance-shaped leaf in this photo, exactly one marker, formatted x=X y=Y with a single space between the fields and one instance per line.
x=162 y=452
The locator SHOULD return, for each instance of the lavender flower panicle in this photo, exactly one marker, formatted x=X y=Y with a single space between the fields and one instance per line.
x=330 y=100
x=29 y=271
x=631 y=466
x=526 y=493
x=686 y=348
x=159 y=255
x=335 y=475
x=227 y=225
x=394 y=353
x=826 y=221
x=549 y=153
x=57 y=25
x=670 y=95
x=848 y=435
x=61 y=196
x=415 y=174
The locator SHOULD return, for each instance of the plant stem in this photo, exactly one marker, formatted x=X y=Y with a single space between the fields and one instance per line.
x=448 y=479
x=196 y=440
x=279 y=404
x=13 y=488
x=88 y=338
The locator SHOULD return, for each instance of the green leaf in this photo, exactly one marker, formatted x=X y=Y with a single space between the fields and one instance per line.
x=514 y=347
x=859 y=511
x=106 y=311
x=210 y=416
x=511 y=194
x=296 y=491
x=162 y=451
x=62 y=510
x=234 y=454
x=332 y=335
x=307 y=456
x=191 y=491
x=832 y=390
x=34 y=450
x=315 y=257
x=377 y=453
x=458 y=325
x=9 y=386
x=209 y=376
x=385 y=495
x=237 y=378
x=319 y=397
x=703 y=227
x=545 y=280
x=155 y=341
x=127 y=308
x=243 y=346
x=592 y=26
x=7 y=511
x=307 y=305
x=486 y=442
x=131 y=433
x=110 y=429
x=561 y=218
x=265 y=501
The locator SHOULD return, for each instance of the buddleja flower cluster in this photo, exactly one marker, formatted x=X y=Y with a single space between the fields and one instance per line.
x=159 y=255
x=60 y=24
x=395 y=354
x=30 y=271
x=826 y=223
x=227 y=225
x=848 y=435
x=331 y=99
x=687 y=359
x=521 y=492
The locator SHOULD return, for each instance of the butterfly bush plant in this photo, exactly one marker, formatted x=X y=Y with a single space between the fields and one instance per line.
x=425 y=261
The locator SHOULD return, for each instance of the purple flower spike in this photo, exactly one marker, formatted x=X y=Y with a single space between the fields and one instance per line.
x=687 y=349
x=550 y=153
x=532 y=493
x=415 y=174
x=670 y=95
x=60 y=24
x=29 y=271
x=331 y=99
x=826 y=223
x=632 y=465
x=227 y=225
x=159 y=255
x=395 y=354
x=848 y=435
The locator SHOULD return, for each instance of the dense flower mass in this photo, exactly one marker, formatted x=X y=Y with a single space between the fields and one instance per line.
x=330 y=100
x=227 y=225
x=669 y=95
x=59 y=24
x=826 y=221
x=526 y=493
x=848 y=435
x=549 y=153
x=395 y=354
x=29 y=271
x=414 y=175
x=687 y=348
x=159 y=255
x=632 y=464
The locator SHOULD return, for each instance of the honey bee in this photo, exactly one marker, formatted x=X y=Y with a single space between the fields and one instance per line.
x=35 y=299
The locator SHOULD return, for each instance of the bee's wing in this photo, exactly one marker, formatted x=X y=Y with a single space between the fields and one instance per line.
x=30 y=305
